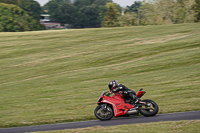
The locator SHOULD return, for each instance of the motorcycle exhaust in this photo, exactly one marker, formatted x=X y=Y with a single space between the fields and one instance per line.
x=132 y=112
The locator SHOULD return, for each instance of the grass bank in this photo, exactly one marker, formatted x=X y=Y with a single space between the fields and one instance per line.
x=57 y=76
x=191 y=126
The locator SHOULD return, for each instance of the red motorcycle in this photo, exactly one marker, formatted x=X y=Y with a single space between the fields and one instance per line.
x=117 y=105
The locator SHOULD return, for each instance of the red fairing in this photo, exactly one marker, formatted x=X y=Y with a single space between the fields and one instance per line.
x=140 y=93
x=117 y=101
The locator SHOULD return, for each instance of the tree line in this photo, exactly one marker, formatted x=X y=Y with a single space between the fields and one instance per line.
x=78 y=13
x=20 y=15
x=152 y=12
x=23 y=15
x=105 y=13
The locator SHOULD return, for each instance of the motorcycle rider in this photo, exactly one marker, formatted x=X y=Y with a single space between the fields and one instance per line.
x=126 y=92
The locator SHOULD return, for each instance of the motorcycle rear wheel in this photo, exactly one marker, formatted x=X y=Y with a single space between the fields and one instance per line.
x=102 y=113
x=150 y=112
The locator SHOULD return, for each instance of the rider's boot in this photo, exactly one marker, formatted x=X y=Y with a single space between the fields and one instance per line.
x=136 y=99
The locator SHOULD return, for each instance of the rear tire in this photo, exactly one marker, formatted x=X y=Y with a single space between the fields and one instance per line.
x=150 y=112
x=102 y=113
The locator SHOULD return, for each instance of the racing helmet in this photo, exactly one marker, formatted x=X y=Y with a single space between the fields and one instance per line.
x=112 y=84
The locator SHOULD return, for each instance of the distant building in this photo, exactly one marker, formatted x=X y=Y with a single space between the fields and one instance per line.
x=48 y=22
x=45 y=17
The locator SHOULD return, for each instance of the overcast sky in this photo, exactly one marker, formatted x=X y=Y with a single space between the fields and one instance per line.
x=122 y=3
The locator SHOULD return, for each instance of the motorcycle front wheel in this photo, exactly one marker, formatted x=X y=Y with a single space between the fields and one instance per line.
x=103 y=113
x=151 y=109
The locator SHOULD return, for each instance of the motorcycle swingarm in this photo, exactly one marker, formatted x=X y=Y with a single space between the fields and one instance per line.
x=140 y=106
x=145 y=108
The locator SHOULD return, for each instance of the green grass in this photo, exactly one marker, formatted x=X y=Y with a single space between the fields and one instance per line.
x=191 y=126
x=57 y=76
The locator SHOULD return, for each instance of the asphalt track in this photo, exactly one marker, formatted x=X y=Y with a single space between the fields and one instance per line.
x=192 y=115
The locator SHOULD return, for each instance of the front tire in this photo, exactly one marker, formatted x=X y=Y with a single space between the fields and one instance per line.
x=103 y=113
x=150 y=112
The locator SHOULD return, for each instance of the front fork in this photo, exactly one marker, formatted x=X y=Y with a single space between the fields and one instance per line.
x=104 y=106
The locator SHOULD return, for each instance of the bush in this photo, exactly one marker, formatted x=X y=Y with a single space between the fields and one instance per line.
x=14 y=19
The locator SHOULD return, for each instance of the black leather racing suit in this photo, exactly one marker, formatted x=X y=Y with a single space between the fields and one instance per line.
x=126 y=92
